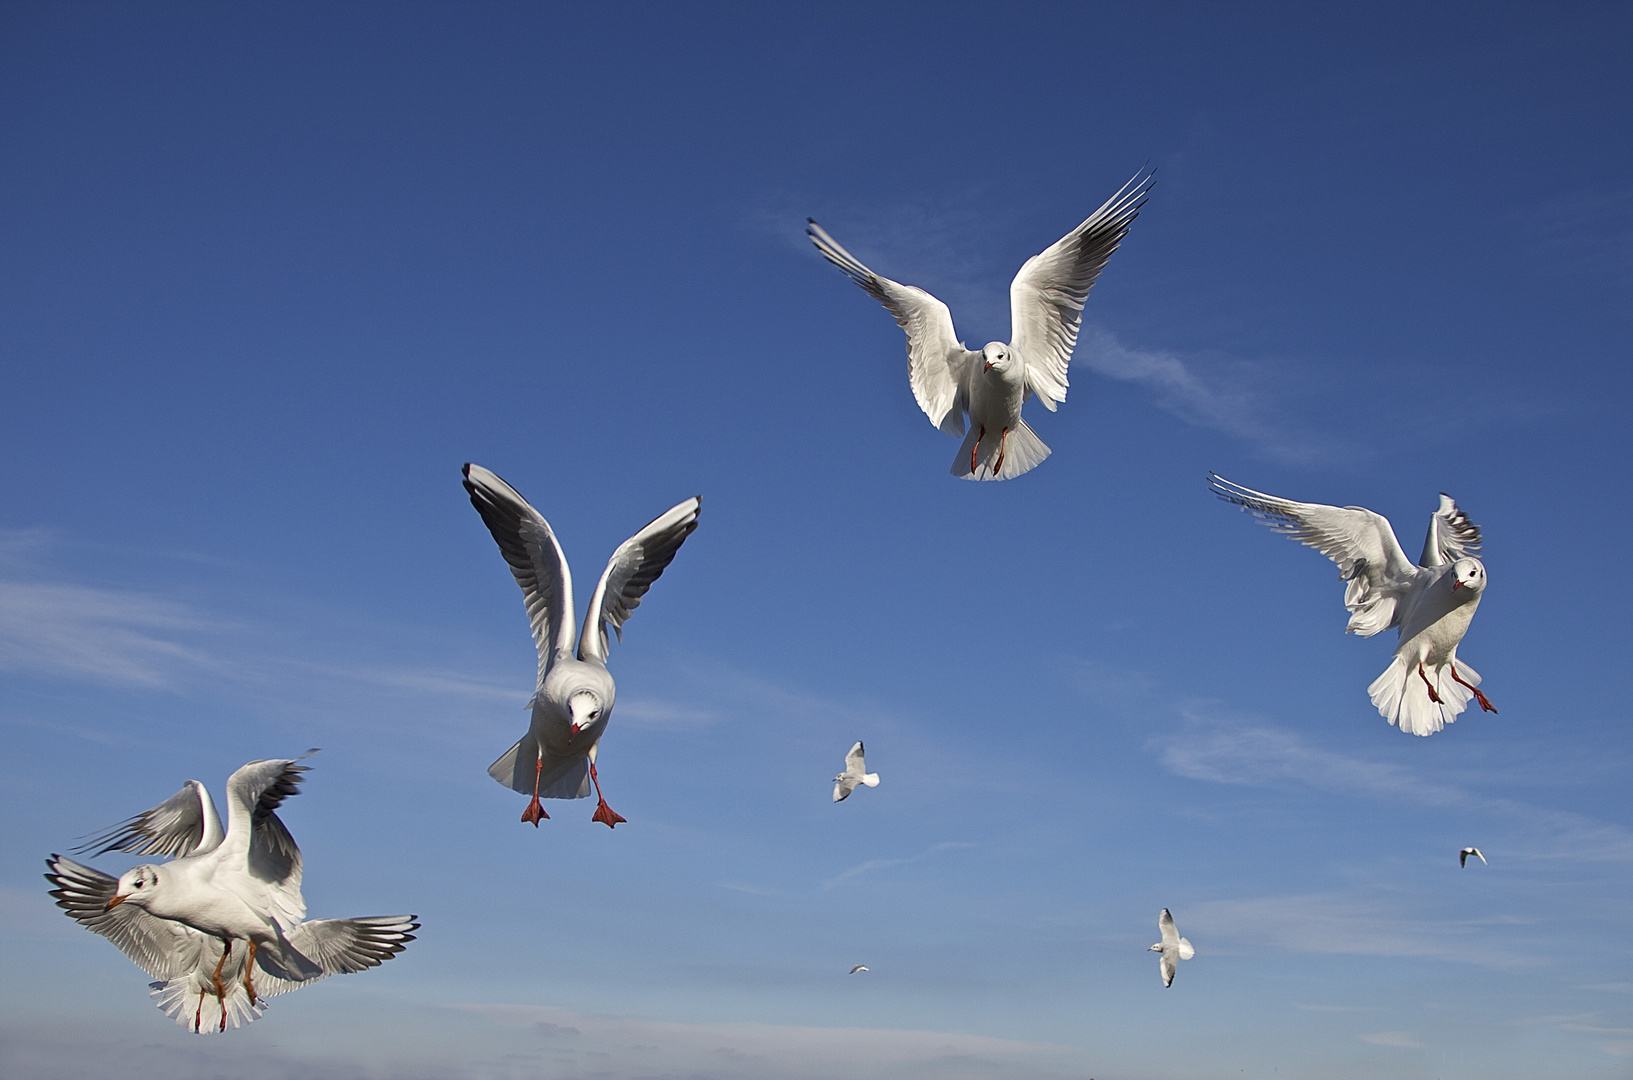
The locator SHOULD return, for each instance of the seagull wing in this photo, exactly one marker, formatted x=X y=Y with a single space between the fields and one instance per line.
x=1452 y=536
x=1170 y=936
x=340 y=947
x=1166 y=964
x=536 y=561
x=161 y=947
x=1046 y=298
x=937 y=363
x=1361 y=542
x=258 y=844
x=854 y=762
x=184 y=824
x=630 y=573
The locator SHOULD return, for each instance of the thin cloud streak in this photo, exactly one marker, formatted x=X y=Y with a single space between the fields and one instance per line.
x=107 y=636
x=880 y=864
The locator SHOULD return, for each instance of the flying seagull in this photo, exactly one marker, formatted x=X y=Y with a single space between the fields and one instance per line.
x=855 y=773
x=1463 y=856
x=1173 y=948
x=1424 y=688
x=183 y=921
x=858 y=967
x=990 y=385
x=572 y=700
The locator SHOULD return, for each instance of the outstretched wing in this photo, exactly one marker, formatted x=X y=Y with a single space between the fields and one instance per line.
x=854 y=761
x=160 y=947
x=1046 y=298
x=1452 y=536
x=341 y=947
x=536 y=561
x=937 y=362
x=1361 y=542
x=184 y=824
x=255 y=835
x=1165 y=923
x=1166 y=964
x=631 y=571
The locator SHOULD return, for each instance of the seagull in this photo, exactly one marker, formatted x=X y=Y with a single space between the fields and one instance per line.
x=1046 y=305
x=858 y=967
x=1463 y=856
x=855 y=773
x=1425 y=687
x=179 y=920
x=1173 y=948
x=572 y=701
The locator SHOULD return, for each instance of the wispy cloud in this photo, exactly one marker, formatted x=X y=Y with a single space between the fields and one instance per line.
x=107 y=636
x=1390 y=1038
x=880 y=864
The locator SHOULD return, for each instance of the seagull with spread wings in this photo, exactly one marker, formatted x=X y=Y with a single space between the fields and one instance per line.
x=1173 y=948
x=856 y=772
x=989 y=386
x=183 y=920
x=572 y=700
x=1425 y=687
x=1463 y=856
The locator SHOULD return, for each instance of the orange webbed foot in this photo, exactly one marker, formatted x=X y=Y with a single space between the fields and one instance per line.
x=607 y=815
x=534 y=812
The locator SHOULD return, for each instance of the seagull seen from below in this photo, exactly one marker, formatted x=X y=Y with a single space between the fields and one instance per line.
x=1463 y=856
x=221 y=925
x=990 y=385
x=858 y=967
x=856 y=772
x=1425 y=687
x=572 y=700
x=1173 y=948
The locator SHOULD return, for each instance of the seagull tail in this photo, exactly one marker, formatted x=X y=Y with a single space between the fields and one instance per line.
x=561 y=778
x=1022 y=452
x=1402 y=697
x=190 y=999
x=871 y=779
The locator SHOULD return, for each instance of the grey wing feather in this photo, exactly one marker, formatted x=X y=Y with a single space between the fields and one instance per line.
x=535 y=558
x=184 y=824
x=1046 y=298
x=938 y=365
x=341 y=947
x=630 y=572
x=162 y=948
x=1369 y=557
x=854 y=761
x=1452 y=536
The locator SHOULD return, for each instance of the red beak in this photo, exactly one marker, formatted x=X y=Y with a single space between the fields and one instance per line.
x=988 y=366
x=1457 y=584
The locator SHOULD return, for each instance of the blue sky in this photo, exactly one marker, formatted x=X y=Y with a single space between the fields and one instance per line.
x=271 y=273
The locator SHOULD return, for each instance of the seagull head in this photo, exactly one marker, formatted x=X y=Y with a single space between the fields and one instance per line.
x=995 y=356
x=585 y=707
x=136 y=885
x=1468 y=574
x=1155 y=948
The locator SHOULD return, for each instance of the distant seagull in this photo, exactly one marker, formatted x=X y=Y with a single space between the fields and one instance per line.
x=855 y=773
x=1173 y=948
x=1046 y=305
x=572 y=701
x=1463 y=856
x=858 y=967
x=1423 y=689
x=179 y=920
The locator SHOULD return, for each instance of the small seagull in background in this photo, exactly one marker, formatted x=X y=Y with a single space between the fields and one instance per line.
x=572 y=700
x=858 y=967
x=1425 y=687
x=1045 y=308
x=1463 y=856
x=855 y=773
x=1173 y=948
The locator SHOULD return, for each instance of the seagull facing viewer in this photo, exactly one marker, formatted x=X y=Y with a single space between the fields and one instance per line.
x=1424 y=688
x=1173 y=948
x=856 y=772
x=1046 y=301
x=182 y=920
x=572 y=700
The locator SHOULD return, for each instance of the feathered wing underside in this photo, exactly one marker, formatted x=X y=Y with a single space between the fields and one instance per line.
x=1165 y=923
x=340 y=947
x=255 y=834
x=855 y=760
x=184 y=824
x=1166 y=965
x=938 y=365
x=630 y=572
x=160 y=947
x=1370 y=560
x=1452 y=536
x=535 y=559
x=1046 y=298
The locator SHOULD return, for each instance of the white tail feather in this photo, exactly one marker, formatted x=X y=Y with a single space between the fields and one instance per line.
x=871 y=779
x=1403 y=699
x=1023 y=451
x=562 y=778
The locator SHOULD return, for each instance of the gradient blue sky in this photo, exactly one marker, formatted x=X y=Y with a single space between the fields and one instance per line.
x=272 y=272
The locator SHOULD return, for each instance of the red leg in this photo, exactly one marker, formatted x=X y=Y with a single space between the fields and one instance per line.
x=603 y=812
x=221 y=990
x=976 y=449
x=535 y=809
x=1434 y=697
x=1002 y=440
x=249 y=970
x=1484 y=703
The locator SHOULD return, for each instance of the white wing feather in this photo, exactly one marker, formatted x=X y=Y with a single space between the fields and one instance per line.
x=258 y=842
x=184 y=824
x=630 y=573
x=1452 y=536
